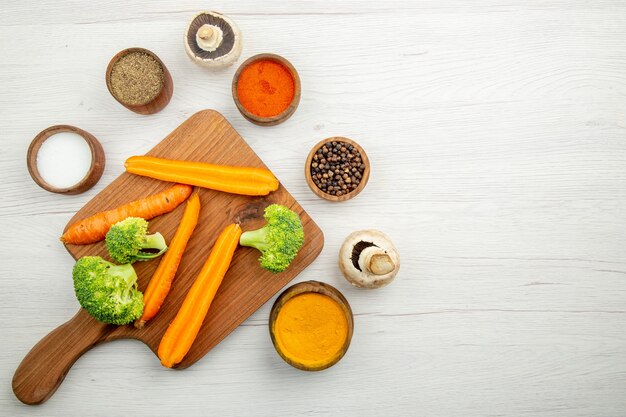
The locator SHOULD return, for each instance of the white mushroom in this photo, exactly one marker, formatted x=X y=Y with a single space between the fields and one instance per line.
x=368 y=259
x=213 y=40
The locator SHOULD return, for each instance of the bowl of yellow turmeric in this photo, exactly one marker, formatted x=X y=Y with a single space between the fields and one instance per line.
x=311 y=325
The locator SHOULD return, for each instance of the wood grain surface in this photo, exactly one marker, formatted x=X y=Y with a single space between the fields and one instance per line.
x=204 y=137
x=496 y=132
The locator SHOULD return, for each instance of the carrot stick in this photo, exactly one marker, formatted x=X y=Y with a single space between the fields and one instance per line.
x=94 y=228
x=161 y=281
x=231 y=179
x=183 y=330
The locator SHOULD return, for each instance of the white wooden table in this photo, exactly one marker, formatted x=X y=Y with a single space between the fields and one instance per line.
x=497 y=134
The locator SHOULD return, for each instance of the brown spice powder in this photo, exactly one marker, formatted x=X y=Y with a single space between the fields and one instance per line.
x=136 y=78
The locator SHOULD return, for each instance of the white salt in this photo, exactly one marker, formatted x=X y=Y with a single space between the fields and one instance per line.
x=64 y=159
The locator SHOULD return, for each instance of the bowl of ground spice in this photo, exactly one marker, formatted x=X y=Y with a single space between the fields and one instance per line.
x=337 y=169
x=311 y=325
x=266 y=89
x=139 y=81
x=65 y=159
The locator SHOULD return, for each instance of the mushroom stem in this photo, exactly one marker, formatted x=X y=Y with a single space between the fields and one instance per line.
x=381 y=264
x=205 y=32
x=209 y=37
x=376 y=261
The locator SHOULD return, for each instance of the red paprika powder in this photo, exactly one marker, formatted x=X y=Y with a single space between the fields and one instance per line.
x=265 y=88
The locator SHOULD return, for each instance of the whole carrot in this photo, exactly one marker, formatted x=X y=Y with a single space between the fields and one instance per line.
x=230 y=179
x=183 y=330
x=161 y=281
x=94 y=228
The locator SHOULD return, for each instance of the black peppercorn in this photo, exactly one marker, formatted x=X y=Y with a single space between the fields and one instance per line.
x=337 y=168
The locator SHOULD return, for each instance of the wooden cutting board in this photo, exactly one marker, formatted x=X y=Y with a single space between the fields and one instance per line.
x=206 y=136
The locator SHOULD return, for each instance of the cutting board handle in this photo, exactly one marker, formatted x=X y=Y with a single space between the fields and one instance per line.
x=45 y=366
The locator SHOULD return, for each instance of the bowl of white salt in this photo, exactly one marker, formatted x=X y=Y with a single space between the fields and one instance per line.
x=65 y=159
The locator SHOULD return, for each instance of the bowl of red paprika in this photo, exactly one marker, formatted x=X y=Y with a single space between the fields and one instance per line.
x=266 y=89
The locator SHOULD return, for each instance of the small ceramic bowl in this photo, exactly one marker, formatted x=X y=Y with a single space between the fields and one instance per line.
x=160 y=101
x=279 y=118
x=325 y=195
x=311 y=287
x=93 y=174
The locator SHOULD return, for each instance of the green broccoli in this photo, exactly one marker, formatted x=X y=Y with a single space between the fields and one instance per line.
x=107 y=291
x=126 y=239
x=279 y=240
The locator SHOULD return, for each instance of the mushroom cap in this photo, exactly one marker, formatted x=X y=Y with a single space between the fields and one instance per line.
x=368 y=259
x=229 y=48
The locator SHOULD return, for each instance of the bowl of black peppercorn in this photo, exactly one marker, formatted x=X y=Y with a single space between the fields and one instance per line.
x=337 y=169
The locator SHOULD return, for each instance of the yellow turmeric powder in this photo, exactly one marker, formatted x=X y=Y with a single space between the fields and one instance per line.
x=311 y=329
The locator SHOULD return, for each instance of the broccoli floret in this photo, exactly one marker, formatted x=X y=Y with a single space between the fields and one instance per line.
x=279 y=241
x=126 y=239
x=107 y=291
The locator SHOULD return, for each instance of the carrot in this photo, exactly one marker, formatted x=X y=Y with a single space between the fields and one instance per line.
x=231 y=179
x=183 y=330
x=161 y=281
x=94 y=228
